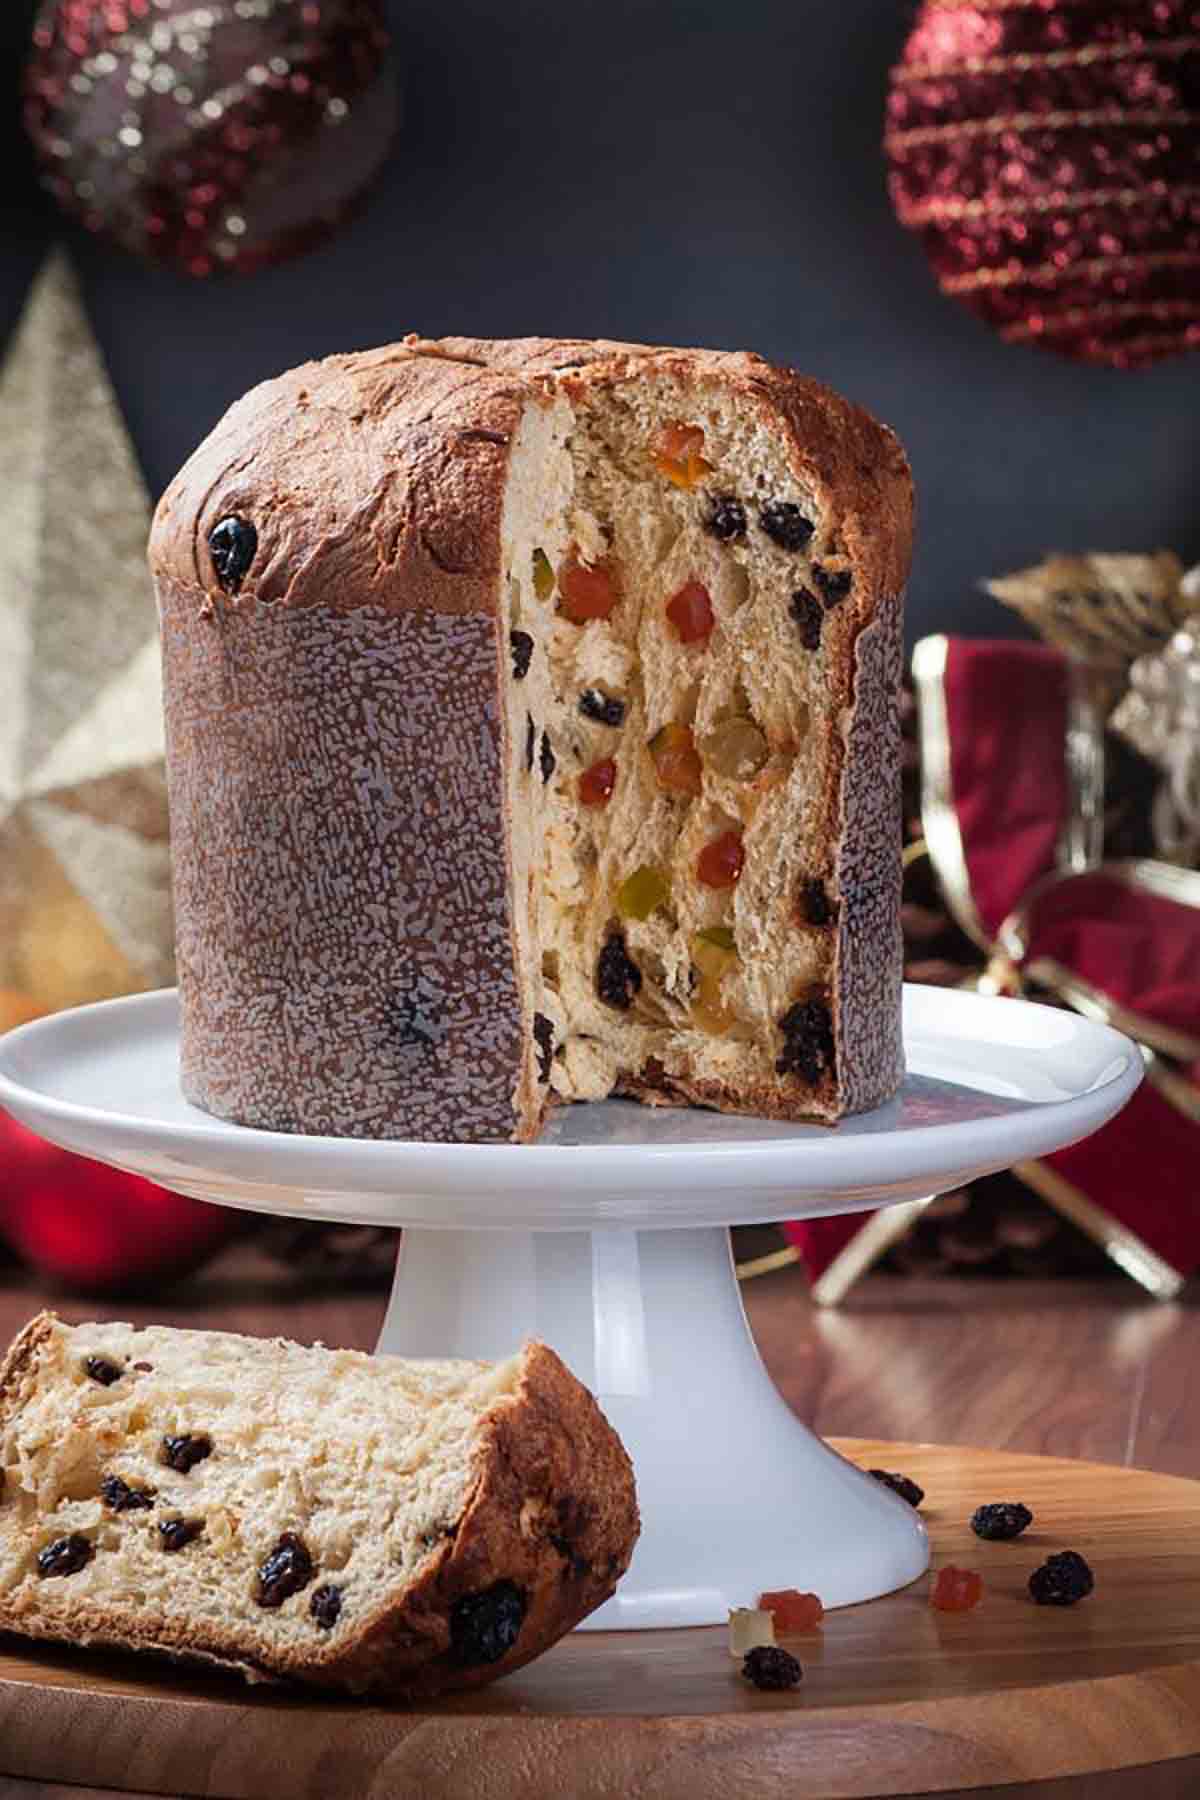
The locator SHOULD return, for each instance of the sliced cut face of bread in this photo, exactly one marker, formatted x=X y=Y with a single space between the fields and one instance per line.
x=319 y=1515
x=543 y=745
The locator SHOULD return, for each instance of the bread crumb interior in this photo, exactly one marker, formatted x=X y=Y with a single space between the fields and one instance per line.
x=372 y=1474
x=608 y=485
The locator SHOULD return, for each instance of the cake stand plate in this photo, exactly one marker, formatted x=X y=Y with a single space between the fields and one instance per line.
x=1096 y=1702
x=608 y=1241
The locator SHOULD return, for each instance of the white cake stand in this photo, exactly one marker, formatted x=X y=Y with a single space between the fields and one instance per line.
x=608 y=1240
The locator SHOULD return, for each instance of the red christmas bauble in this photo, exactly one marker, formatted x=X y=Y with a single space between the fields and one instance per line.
x=93 y=1228
x=1048 y=153
x=225 y=135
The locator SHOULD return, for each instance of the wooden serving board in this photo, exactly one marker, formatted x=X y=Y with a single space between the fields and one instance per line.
x=897 y=1699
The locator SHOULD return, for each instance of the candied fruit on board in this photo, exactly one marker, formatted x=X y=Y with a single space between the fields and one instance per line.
x=792 y=1610
x=956 y=1590
x=750 y=1628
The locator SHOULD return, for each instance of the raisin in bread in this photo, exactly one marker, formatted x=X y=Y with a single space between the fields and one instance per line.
x=532 y=734
x=316 y=1514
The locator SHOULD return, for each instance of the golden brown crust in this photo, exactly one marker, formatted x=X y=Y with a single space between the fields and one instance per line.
x=19 y=1368
x=551 y=1508
x=374 y=480
x=381 y=472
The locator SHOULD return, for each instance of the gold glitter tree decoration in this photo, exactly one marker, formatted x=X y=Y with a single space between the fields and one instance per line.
x=84 y=874
x=1160 y=717
x=1103 y=611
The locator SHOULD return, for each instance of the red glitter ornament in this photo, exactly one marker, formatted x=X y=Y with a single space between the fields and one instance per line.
x=224 y=135
x=1048 y=153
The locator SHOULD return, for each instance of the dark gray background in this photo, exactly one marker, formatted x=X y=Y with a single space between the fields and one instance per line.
x=696 y=173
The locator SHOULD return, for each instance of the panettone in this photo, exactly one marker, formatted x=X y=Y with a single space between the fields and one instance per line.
x=532 y=735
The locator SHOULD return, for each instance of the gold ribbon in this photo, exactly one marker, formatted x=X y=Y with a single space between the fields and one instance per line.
x=1008 y=972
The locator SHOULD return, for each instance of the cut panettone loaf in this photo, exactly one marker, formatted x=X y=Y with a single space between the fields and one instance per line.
x=334 y=1518
x=532 y=734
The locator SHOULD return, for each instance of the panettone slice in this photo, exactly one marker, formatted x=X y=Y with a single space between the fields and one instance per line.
x=337 y=1519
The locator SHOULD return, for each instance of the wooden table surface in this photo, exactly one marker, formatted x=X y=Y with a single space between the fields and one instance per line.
x=1092 y=1370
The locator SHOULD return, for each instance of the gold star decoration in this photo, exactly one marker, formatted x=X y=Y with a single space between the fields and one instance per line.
x=84 y=871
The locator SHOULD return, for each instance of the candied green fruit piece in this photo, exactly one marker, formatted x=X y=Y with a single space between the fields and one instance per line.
x=641 y=892
x=543 y=575
x=713 y=955
x=719 y=936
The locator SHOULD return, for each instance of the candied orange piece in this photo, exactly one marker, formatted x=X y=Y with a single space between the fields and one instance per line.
x=690 y=612
x=794 y=1612
x=597 y=783
x=588 y=591
x=956 y=1590
x=719 y=864
x=676 y=759
x=676 y=454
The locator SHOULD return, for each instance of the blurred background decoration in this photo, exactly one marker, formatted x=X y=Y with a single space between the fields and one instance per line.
x=223 y=136
x=1034 y=866
x=84 y=873
x=211 y=138
x=1160 y=717
x=1046 y=154
x=678 y=173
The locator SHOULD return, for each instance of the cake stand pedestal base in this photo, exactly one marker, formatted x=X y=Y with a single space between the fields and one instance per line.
x=735 y=1494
